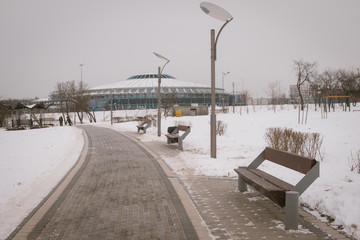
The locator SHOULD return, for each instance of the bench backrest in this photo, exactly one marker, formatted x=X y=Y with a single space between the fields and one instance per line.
x=183 y=128
x=49 y=119
x=289 y=160
x=309 y=167
x=25 y=122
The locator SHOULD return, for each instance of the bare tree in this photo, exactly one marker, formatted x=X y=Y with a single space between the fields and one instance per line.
x=80 y=98
x=73 y=95
x=328 y=84
x=61 y=95
x=168 y=102
x=349 y=82
x=305 y=71
x=5 y=113
x=273 y=92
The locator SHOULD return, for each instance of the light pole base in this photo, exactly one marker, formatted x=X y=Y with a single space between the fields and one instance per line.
x=213 y=134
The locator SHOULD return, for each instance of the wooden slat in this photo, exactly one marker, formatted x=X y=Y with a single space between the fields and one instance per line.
x=273 y=192
x=173 y=138
x=274 y=180
x=183 y=128
x=289 y=160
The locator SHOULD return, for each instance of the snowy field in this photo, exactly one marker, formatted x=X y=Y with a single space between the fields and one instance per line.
x=32 y=163
x=37 y=159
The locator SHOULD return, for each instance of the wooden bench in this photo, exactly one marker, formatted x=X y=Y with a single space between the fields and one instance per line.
x=26 y=122
x=49 y=121
x=175 y=137
x=279 y=191
x=118 y=119
x=143 y=125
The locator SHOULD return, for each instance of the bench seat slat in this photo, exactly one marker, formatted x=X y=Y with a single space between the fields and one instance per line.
x=268 y=189
x=274 y=180
x=172 y=136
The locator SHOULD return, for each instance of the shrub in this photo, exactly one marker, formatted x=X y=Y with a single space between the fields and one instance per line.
x=177 y=123
x=354 y=161
x=220 y=128
x=304 y=144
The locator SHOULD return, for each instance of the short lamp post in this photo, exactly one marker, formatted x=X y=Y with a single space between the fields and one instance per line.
x=222 y=15
x=160 y=70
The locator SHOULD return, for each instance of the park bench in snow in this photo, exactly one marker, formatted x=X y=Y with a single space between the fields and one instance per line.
x=175 y=137
x=279 y=191
x=143 y=125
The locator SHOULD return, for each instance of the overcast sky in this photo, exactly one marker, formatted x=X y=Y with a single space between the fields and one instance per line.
x=43 y=42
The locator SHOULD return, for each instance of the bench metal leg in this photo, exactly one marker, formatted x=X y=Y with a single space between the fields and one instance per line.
x=242 y=186
x=180 y=143
x=291 y=210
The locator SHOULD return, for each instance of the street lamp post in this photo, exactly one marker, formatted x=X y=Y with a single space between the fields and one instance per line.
x=223 y=98
x=159 y=92
x=81 y=65
x=111 y=106
x=81 y=78
x=220 y=14
x=233 y=85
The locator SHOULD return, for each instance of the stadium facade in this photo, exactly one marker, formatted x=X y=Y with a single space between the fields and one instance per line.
x=140 y=91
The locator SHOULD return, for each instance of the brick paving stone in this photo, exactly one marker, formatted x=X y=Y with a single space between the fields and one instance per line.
x=120 y=193
x=229 y=214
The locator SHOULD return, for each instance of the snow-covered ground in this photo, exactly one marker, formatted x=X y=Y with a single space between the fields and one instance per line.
x=32 y=163
x=28 y=157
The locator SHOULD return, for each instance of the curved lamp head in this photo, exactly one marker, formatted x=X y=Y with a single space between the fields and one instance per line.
x=215 y=11
x=161 y=57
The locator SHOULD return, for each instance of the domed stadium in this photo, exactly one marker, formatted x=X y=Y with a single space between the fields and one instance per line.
x=140 y=91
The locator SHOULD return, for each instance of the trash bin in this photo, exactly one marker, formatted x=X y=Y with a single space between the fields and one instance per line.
x=178 y=113
x=171 y=129
x=192 y=112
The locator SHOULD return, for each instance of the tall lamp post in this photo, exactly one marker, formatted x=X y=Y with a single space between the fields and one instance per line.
x=160 y=70
x=222 y=15
x=81 y=65
x=111 y=106
x=81 y=78
x=223 y=76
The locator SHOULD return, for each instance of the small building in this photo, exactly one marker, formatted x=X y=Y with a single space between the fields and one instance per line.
x=190 y=110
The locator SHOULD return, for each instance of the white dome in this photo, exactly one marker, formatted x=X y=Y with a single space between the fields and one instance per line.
x=148 y=81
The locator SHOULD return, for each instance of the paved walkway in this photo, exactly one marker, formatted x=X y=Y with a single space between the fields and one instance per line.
x=122 y=189
x=120 y=192
x=229 y=214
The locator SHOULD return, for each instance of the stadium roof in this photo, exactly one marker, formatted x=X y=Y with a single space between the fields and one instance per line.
x=148 y=81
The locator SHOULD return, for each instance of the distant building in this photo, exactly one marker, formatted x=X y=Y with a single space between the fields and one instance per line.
x=237 y=99
x=51 y=105
x=305 y=92
x=140 y=91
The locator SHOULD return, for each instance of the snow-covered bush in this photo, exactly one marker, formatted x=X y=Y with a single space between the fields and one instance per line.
x=354 y=161
x=304 y=144
x=220 y=128
x=185 y=123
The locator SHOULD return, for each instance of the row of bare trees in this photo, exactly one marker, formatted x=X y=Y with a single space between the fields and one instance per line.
x=346 y=81
x=73 y=96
